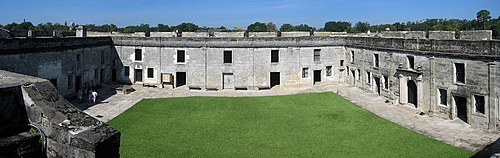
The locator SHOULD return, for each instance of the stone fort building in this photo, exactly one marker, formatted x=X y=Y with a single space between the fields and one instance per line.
x=437 y=75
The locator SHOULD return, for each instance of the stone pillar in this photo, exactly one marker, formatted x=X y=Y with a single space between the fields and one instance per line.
x=30 y=34
x=403 y=89
x=81 y=31
x=420 y=92
x=492 y=95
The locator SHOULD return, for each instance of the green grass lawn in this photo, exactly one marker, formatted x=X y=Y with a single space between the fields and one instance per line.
x=303 y=125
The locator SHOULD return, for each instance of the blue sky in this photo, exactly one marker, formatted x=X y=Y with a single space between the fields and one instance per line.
x=238 y=13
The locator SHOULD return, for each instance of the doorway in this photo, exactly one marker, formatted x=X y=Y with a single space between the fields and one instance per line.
x=317 y=76
x=377 y=84
x=113 y=75
x=353 y=73
x=102 y=76
x=461 y=105
x=228 y=81
x=138 y=75
x=275 y=79
x=78 y=83
x=180 y=79
x=412 y=93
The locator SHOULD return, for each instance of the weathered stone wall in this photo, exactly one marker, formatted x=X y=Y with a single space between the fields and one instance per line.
x=296 y=34
x=194 y=34
x=403 y=34
x=229 y=34
x=69 y=131
x=162 y=34
x=476 y=35
x=316 y=33
x=115 y=34
x=263 y=34
x=67 y=61
x=442 y=35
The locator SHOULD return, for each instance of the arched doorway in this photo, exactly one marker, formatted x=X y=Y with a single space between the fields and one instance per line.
x=412 y=93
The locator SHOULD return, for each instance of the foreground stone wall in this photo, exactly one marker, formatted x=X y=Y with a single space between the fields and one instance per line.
x=476 y=35
x=69 y=131
x=442 y=35
x=403 y=34
x=67 y=62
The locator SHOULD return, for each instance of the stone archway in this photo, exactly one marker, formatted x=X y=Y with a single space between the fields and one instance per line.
x=412 y=93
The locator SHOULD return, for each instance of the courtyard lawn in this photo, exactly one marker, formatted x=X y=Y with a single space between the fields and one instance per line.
x=303 y=125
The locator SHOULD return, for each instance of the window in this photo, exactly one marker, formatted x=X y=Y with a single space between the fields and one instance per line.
x=275 y=56
x=114 y=63
x=228 y=56
x=138 y=54
x=78 y=63
x=460 y=72
x=126 y=70
x=317 y=54
x=102 y=57
x=305 y=72
x=341 y=63
x=386 y=82
x=352 y=56
x=479 y=103
x=70 y=81
x=150 y=72
x=368 y=77
x=375 y=60
x=328 y=70
x=411 y=62
x=443 y=98
x=181 y=56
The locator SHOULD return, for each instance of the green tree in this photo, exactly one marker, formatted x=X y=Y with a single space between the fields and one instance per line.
x=337 y=26
x=286 y=27
x=271 y=27
x=186 y=27
x=483 y=16
x=361 y=27
x=303 y=27
x=257 y=27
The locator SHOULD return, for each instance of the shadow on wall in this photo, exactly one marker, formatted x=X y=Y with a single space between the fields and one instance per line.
x=489 y=150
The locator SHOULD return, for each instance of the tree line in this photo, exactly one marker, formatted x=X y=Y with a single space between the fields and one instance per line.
x=483 y=21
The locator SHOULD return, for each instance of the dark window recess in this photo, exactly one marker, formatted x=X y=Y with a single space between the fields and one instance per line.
x=228 y=57
x=411 y=62
x=96 y=74
x=341 y=62
x=150 y=72
x=376 y=61
x=460 y=72
x=127 y=70
x=275 y=54
x=386 y=82
x=352 y=56
x=102 y=57
x=70 y=81
x=181 y=56
x=305 y=72
x=479 y=103
x=443 y=98
x=78 y=62
x=138 y=54
x=328 y=70
x=317 y=54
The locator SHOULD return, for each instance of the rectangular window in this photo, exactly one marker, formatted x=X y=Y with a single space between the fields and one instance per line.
x=150 y=72
x=305 y=72
x=102 y=57
x=181 y=56
x=479 y=103
x=275 y=56
x=138 y=54
x=341 y=63
x=386 y=82
x=460 y=72
x=328 y=70
x=443 y=98
x=126 y=70
x=368 y=77
x=375 y=60
x=411 y=62
x=317 y=54
x=228 y=56
x=352 y=56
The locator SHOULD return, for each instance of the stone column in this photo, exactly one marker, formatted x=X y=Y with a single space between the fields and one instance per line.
x=403 y=89
x=420 y=92
x=492 y=103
